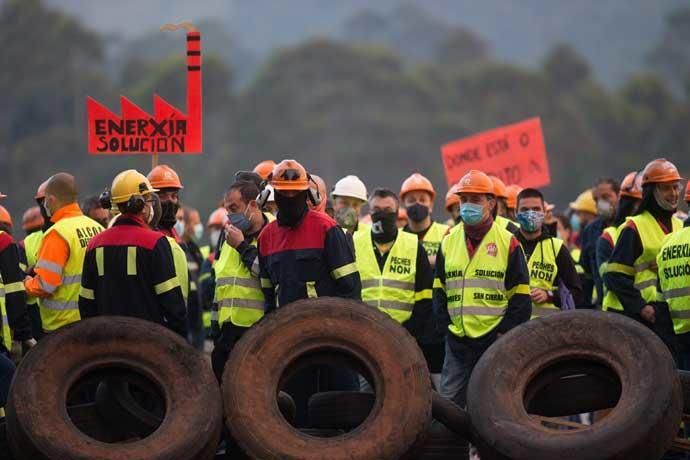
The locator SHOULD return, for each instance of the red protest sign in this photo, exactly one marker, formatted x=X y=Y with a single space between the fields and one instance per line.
x=168 y=130
x=514 y=153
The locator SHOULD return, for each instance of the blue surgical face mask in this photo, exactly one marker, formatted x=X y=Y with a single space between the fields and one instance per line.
x=575 y=223
x=530 y=221
x=471 y=213
x=179 y=227
x=239 y=220
x=198 y=232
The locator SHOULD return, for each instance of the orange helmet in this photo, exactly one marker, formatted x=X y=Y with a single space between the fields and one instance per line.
x=475 y=182
x=217 y=217
x=32 y=218
x=659 y=171
x=265 y=168
x=5 y=217
x=499 y=188
x=163 y=176
x=632 y=185
x=451 y=197
x=289 y=175
x=41 y=192
x=513 y=191
x=687 y=192
x=417 y=182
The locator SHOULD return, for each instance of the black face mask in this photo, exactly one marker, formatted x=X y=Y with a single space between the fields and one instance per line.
x=551 y=229
x=417 y=212
x=291 y=210
x=46 y=219
x=168 y=214
x=384 y=226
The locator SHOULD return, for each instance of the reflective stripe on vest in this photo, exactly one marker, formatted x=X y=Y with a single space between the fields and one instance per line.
x=393 y=290
x=575 y=253
x=673 y=261
x=181 y=270
x=238 y=291
x=32 y=244
x=651 y=236
x=62 y=307
x=475 y=288
x=433 y=237
x=610 y=301
x=6 y=332
x=543 y=271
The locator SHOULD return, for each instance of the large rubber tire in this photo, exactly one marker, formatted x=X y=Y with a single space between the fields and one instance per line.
x=455 y=418
x=509 y=376
x=685 y=385
x=39 y=427
x=339 y=409
x=442 y=444
x=337 y=332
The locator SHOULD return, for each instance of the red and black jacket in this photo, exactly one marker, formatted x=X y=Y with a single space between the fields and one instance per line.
x=15 y=299
x=141 y=283
x=312 y=259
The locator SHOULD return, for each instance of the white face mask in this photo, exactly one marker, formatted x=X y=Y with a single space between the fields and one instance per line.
x=214 y=236
x=198 y=232
x=179 y=227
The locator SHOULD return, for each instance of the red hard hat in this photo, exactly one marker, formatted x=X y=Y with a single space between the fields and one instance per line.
x=163 y=176
x=659 y=171
x=687 y=192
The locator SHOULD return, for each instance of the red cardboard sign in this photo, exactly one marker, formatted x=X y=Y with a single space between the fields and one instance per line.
x=514 y=153
x=168 y=130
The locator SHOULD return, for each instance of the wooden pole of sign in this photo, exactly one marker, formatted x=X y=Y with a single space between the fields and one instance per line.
x=154 y=160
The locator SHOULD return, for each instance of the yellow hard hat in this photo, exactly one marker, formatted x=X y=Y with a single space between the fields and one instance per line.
x=130 y=183
x=585 y=203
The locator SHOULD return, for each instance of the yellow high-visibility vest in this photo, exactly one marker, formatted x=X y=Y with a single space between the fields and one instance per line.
x=673 y=262
x=62 y=307
x=392 y=290
x=543 y=270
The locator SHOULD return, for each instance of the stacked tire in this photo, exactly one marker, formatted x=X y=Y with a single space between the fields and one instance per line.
x=622 y=365
x=39 y=422
x=337 y=332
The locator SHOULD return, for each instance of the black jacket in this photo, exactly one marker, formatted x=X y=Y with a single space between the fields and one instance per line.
x=141 y=283
x=313 y=258
x=15 y=296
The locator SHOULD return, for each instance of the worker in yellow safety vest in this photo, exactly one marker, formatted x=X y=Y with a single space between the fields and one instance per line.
x=396 y=276
x=673 y=262
x=417 y=195
x=632 y=268
x=453 y=206
x=238 y=295
x=554 y=282
x=481 y=288
x=628 y=202
x=61 y=255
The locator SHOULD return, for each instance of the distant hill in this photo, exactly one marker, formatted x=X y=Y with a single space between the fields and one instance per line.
x=614 y=35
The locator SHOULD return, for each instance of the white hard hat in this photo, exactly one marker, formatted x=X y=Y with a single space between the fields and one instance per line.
x=272 y=195
x=350 y=186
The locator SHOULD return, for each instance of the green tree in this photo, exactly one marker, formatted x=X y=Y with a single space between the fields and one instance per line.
x=565 y=67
